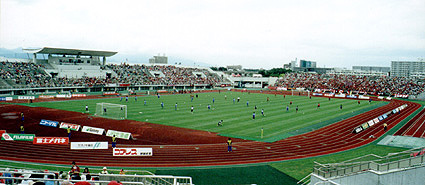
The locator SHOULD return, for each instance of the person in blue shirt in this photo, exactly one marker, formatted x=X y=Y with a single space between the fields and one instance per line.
x=233 y=100
x=253 y=115
x=120 y=98
x=126 y=98
x=213 y=100
x=175 y=107
x=209 y=106
x=135 y=98
x=287 y=108
x=262 y=112
x=162 y=104
x=247 y=103
x=144 y=102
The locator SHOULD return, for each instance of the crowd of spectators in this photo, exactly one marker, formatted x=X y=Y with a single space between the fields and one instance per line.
x=180 y=75
x=377 y=85
x=33 y=75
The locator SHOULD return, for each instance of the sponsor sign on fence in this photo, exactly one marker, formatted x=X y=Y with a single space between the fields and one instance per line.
x=17 y=137
x=110 y=93
x=6 y=98
x=93 y=130
x=74 y=127
x=51 y=140
x=63 y=96
x=49 y=123
x=340 y=95
x=317 y=94
x=88 y=145
x=26 y=97
x=371 y=123
x=351 y=96
x=118 y=134
x=79 y=95
x=329 y=95
x=358 y=129
x=132 y=152
x=46 y=96
x=364 y=97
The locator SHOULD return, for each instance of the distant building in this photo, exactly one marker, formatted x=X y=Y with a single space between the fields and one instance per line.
x=235 y=67
x=408 y=68
x=372 y=69
x=158 y=60
x=307 y=64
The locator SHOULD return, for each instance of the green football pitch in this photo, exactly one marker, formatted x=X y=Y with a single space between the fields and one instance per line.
x=277 y=122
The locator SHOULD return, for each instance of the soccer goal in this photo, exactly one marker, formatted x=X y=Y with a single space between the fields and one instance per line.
x=110 y=110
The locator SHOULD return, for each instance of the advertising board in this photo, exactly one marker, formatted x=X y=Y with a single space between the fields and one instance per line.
x=132 y=152
x=93 y=130
x=49 y=123
x=51 y=140
x=88 y=145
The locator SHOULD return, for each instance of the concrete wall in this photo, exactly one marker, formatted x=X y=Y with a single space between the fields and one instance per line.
x=406 y=176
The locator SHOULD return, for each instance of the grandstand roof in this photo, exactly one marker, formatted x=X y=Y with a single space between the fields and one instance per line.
x=63 y=51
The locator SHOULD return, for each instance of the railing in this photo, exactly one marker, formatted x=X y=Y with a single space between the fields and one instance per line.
x=327 y=171
x=104 y=179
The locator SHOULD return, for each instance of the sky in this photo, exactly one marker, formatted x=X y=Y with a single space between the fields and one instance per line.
x=251 y=33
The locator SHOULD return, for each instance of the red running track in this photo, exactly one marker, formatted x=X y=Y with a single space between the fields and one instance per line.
x=415 y=127
x=177 y=147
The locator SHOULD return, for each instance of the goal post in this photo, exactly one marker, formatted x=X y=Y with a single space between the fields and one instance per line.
x=110 y=110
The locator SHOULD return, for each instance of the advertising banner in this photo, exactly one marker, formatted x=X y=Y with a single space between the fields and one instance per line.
x=6 y=98
x=74 y=127
x=26 y=97
x=376 y=120
x=93 y=130
x=49 y=123
x=351 y=96
x=329 y=95
x=118 y=134
x=17 y=137
x=281 y=88
x=88 y=145
x=317 y=94
x=51 y=140
x=371 y=123
x=364 y=97
x=340 y=95
x=132 y=152
x=357 y=130
x=78 y=95
x=63 y=96
x=380 y=118
x=46 y=96
x=365 y=126
x=110 y=93
x=2 y=131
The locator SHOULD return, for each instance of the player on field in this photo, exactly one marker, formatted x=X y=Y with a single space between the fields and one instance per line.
x=255 y=107
x=135 y=98
x=175 y=106
x=247 y=103
x=220 y=123
x=87 y=108
x=126 y=98
x=287 y=108
x=191 y=109
x=233 y=100
x=358 y=102
x=296 y=109
x=340 y=106
x=239 y=98
x=318 y=105
x=144 y=102
x=209 y=107
x=162 y=105
x=213 y=100
x=253 y=115
x=225 y=97
x=290 y=103
x=262 y=112
x=104 y=110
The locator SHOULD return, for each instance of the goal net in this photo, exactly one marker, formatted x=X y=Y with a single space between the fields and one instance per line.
x=110 y=110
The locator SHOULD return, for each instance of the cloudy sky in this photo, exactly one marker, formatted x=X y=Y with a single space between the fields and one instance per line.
x=252 y=33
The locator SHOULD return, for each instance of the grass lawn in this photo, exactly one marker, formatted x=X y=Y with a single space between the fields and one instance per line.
x=277 y=122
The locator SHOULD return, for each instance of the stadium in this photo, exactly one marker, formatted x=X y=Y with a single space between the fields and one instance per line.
x=171 y=124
